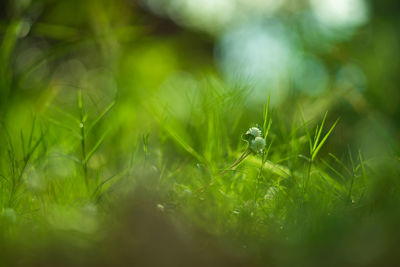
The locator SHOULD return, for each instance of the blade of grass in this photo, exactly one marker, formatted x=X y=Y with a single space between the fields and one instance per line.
x=334 y=170
x=352 y=176
x=266 y=115
x=319 y=132
x=96 y=146
x=315 y=152
x=105 y=111
x=306 y=129
x=341 y=163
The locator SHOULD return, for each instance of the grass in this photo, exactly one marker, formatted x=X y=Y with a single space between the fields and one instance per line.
x=75 y=159
x=69 y=167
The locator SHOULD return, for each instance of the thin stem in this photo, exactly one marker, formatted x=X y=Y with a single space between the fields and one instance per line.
x=259 y=176
x=239 y=160
x=352 y=175
x=242 y=157
x=83 y=147
x=83 y=138
x=308 y=174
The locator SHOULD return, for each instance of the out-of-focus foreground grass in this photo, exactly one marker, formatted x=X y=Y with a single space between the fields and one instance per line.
x=120 y=118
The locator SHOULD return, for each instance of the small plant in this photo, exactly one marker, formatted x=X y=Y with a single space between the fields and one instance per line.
x=256 y=140
x=315 y=143
x=255 y=145
x=85 y=129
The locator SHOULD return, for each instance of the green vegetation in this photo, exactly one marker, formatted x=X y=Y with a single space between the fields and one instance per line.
x=121 y=142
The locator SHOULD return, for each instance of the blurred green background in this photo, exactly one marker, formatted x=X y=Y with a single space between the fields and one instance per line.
x=95 y=92
x=329 y=55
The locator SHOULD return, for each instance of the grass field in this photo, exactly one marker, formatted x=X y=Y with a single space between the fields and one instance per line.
x=124 y=147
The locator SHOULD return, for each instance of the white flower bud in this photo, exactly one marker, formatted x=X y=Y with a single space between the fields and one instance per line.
x=253 y=132
x=258 y=144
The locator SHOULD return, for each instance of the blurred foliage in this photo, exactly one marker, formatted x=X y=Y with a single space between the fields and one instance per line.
x=99 y=97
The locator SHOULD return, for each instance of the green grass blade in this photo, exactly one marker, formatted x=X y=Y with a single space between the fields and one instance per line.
x=101 y=184
x=320 y=131
x=180 y=141
x=31 y=133
x=339 y=188
x=105 y=111
x=306 y=129
x=65 y=113
x=270 y=166
x=315 y=152
x=317 y=129
x=362 y=164
x=280 y=170
x=334 y=170
x=266 y=115
x=22 y=142
x=351 y=160
x=96 y=146
x=267 y=130
x=341 y=163
x=266 y=153
x=80 y=101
